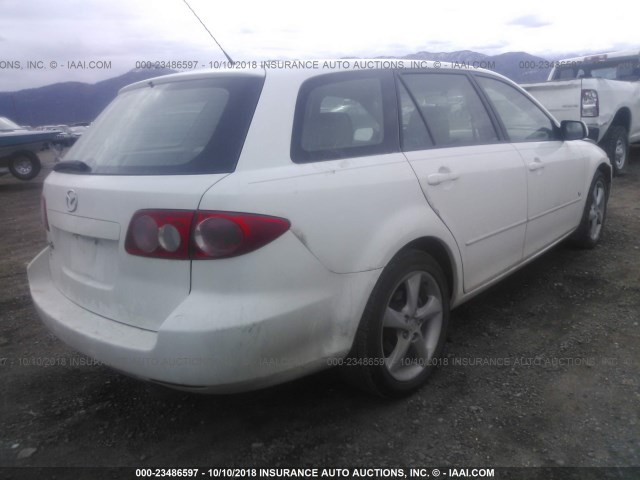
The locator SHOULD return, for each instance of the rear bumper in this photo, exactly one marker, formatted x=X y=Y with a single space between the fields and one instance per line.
x=211 y=342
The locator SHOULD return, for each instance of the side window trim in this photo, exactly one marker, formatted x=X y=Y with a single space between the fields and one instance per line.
x=501 y=131
x=391 y=142
x=400 y=83
x=494 y=113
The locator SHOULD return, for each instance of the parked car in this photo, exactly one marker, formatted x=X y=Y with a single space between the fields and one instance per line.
x=18 y=149
x=226 y=231
x=602 y=90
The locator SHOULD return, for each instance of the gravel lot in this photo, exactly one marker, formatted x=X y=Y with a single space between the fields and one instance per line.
x=567 y=394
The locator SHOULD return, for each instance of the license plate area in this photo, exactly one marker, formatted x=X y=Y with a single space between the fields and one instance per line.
x=86 y=259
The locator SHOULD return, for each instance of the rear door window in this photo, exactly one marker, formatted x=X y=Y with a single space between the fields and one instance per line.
x=180 y=127
x=452 y=109
x=341 y=115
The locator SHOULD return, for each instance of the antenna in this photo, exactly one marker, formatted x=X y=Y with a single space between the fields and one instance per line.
x=210 y=34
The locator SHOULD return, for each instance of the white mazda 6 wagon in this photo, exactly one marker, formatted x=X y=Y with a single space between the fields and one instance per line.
x=225 y=231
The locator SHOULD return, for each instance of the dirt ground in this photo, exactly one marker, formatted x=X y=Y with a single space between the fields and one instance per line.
x=567 y=325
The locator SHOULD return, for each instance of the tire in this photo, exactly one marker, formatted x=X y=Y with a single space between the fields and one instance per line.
x=589 y=231
x=399 y=342
x=616 y=144
x=25 y=165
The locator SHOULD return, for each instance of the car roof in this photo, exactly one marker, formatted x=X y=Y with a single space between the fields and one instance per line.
x=303 y=69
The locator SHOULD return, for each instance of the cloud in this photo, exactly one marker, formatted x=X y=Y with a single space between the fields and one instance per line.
x=529 y=21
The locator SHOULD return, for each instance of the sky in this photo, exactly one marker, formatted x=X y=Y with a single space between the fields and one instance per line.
x=44 y=42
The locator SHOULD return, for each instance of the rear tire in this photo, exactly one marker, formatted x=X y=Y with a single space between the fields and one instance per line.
x=616 y=144
x=403 y=328
x=589 y=232
x=25 y=165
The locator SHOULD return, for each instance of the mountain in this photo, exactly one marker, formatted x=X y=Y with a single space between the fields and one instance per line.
x=462 y=56
x=71 y=102
x=520 y=67
x=67 y=103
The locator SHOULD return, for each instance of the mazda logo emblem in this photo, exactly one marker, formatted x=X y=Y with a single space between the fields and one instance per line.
x=72 y=200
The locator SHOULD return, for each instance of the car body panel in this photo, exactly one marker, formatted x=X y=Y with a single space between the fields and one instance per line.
x=489 y=231
x=555 y=190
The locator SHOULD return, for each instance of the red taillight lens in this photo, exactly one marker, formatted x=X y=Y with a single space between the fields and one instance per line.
x=160 y=233
x=229 y=234
x=43 y=213
x=174 y=234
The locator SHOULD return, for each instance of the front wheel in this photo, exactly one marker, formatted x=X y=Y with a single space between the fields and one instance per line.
x=403 y=328
x=25 y=165
x=595 y=211
x=616 y=145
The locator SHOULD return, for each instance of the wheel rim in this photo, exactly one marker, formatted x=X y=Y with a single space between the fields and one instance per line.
x=596 y=212
x=411 y=325
x=620 y=154
x=23 y=166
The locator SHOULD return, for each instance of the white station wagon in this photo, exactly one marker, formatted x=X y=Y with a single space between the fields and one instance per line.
x=225 y=231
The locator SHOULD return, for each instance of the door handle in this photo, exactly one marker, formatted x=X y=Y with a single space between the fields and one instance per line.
x=438 y=178
x=535 y=165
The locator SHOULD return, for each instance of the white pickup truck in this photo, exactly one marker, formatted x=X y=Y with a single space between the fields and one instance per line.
x=604 y=92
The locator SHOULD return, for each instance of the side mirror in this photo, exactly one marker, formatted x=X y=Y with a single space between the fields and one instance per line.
x=573 y=130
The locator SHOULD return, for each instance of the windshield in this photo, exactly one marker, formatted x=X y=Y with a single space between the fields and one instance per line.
x=182 y=127
x=6 y=124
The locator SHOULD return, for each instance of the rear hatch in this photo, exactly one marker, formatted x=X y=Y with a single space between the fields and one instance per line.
x=161 y=144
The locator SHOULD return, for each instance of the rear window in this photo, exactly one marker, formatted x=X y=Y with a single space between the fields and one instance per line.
x=182 y=127
x=626 y=70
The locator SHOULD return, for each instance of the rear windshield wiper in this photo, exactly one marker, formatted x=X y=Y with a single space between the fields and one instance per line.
x=72 y=166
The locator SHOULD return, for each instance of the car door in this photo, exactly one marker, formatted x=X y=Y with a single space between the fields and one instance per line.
x=474 y=182
x=556 y=169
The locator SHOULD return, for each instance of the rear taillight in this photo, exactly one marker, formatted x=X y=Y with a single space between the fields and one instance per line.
x=228 y=234
x=180 y=234
x=160 y=233
x=43 y=213
x=589 y=104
